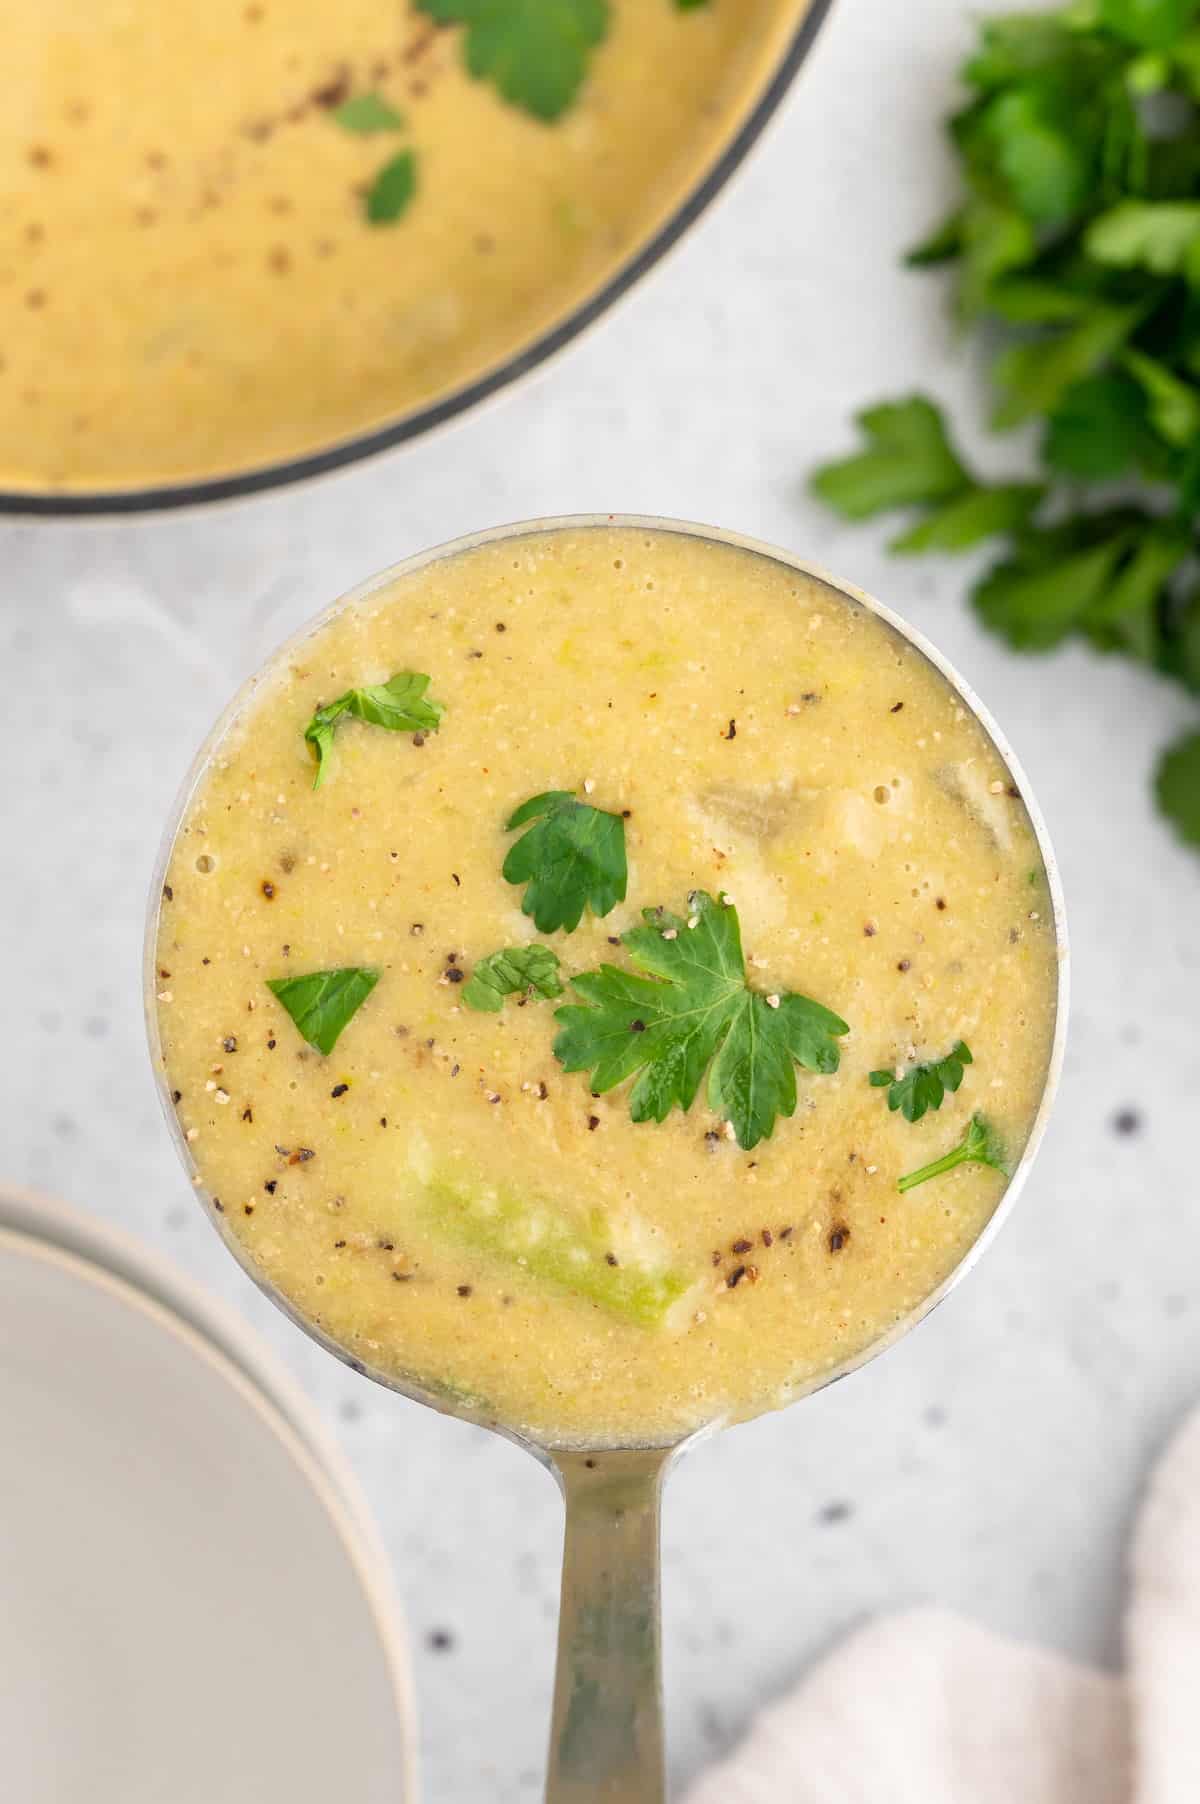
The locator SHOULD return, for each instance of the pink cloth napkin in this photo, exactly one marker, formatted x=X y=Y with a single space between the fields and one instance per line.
x=925 y=1708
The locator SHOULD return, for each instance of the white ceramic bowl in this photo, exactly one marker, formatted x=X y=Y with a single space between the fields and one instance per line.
x=191 y=1612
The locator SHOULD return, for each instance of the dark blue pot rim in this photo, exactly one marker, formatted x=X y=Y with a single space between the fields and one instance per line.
x=366 y=444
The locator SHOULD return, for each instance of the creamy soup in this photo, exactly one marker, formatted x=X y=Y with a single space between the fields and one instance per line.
x=443 y=1194
x=189 y=281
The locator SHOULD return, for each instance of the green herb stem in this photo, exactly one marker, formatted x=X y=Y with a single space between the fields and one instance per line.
x=934 y=1169
x=979 y=1146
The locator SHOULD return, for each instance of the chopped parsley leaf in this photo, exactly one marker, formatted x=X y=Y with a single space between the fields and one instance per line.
x=392 y=190
x=572 y=857
x=529 y=969
x=535 y=51
x=365 y=114
x=400 y=705
x=925 y=1086
x=322 y=1002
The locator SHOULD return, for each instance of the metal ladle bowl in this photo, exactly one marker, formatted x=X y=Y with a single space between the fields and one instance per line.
x=606 y=1744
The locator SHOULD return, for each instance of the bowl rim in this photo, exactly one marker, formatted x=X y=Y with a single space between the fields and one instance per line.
x=50 y=1221
x=720 y=536
x=150 y=498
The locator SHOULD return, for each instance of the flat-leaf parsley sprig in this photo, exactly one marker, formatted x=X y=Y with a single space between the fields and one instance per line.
x=572 y=858
x=694 y=1012
x=400 y=705
x=924 y=1086
x=980 y=1145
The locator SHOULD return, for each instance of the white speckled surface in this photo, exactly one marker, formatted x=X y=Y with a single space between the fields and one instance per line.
x=990 y=1462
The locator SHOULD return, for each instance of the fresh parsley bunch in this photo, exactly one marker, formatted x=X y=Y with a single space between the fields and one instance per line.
x=1077 y=243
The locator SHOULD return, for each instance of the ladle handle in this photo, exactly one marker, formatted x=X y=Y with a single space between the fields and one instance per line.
x=606 y=1742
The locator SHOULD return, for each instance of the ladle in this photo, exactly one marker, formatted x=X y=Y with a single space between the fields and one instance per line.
x=606 y=1742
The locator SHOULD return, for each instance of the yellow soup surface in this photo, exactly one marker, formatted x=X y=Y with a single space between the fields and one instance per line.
x=189 y=284
x=439 y=1195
